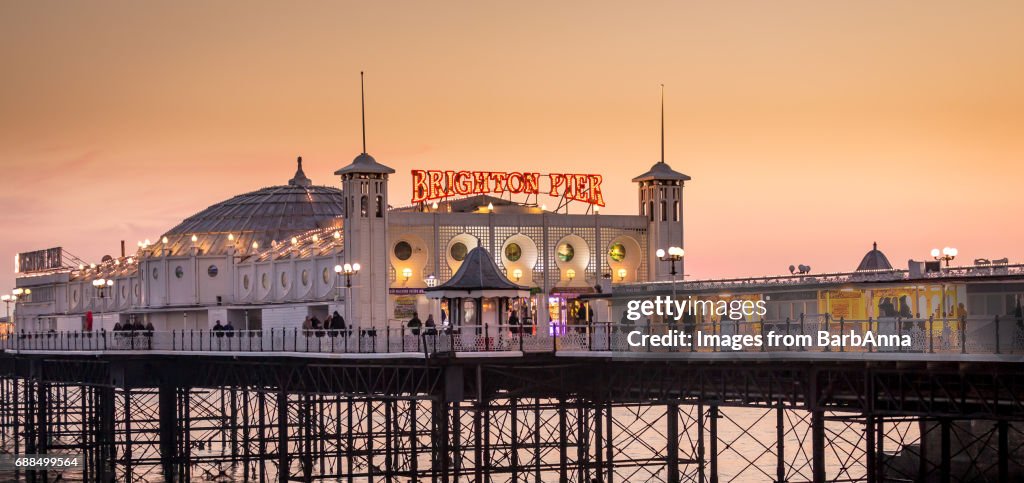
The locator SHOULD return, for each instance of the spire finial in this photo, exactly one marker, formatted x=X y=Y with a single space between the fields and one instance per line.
x=663 y=123
x=300 y=178
x=362 y=100
x=874 y=246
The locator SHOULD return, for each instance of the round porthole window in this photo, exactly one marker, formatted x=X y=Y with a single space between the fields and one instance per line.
x=124 y=291
x=212 y=271
x=138 y=290
x=179 y=272
x=156 y=274
x=327 y=275
x=403 y=250
x=245 y=282
x=513 y=252
x=74 y=296
x=284 y=280
x=566 y=252
x=265 y=281
x=458 y=251
x=305 y=278
x=617 y=252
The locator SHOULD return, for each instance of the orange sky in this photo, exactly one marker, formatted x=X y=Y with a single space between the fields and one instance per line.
x=810 y=128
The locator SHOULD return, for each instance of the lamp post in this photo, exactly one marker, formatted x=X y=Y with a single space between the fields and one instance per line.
x=102 y=286
x=348 y=270
x=673 y=255
x=431 y=282
x=947 y=254
x=16 y=295
x=7 y=299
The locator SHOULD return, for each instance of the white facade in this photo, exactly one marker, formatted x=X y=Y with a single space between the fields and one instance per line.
x=267 y=259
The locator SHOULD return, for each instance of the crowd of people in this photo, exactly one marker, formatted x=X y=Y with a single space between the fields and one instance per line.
x=332 y=325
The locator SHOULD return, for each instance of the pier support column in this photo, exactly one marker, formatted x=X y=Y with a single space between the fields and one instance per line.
x=713 y=437
x=1002 y=430
x=283 y=466
x=700 y=444
x=818 y=445
x=563 y=445
x=672 y=441
x=439 y=470
x=871 y=464
x=105 y=433
x=780 y=446
x=167 y=408
x=945 y=468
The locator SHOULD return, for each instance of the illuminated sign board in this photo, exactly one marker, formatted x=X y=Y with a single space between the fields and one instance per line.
x=39 y=260
x=432 y=185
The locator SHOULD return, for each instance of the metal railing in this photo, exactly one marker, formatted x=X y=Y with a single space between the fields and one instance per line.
x=967 y=335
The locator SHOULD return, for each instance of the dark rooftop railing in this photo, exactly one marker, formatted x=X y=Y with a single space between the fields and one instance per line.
x=965 y=335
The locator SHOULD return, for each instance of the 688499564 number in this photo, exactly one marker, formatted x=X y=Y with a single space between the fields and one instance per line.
x=39 y=461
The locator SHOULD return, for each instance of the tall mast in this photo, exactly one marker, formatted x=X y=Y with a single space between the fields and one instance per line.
x=663 y=123
x=362 y=100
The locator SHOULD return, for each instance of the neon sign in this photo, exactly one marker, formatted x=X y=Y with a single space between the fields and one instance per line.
x=432 y=185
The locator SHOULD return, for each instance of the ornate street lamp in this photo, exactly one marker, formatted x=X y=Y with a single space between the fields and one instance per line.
x=102 y=286
x=673 y=255
x=517 y=274
x=947 y=254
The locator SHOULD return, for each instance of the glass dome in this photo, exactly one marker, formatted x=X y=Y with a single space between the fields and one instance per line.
x=275 y=213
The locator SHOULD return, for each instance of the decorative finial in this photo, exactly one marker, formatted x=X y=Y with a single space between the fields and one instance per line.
x=300 y=178
x=874 y=246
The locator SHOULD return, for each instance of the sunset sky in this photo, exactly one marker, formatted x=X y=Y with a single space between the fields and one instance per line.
x=810 y=128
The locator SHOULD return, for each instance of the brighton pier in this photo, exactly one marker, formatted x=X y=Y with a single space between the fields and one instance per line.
x=522 y=371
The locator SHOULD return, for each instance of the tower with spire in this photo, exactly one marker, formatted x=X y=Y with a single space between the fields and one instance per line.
x=365 y=186
x=661 y=202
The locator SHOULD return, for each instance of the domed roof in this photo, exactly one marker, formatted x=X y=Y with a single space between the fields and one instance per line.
x=364 y=163
x=261 y=216
x=661 y=171
x=874 y=260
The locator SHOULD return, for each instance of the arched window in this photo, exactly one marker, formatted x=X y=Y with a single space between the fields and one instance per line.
x=664 y=211
x=675 y=211
x=362 y=206
x=650 y=210
x=380 y=206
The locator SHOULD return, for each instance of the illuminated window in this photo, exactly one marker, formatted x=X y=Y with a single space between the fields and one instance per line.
x=458 y=251
x=403 y=250
x=362 y=206
x=664 y=211
x=566 y=252
x=513 y=252
x=617 y=252
x=675 y=211
x=380 y=206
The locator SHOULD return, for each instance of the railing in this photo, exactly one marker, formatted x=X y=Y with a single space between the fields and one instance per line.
x=968 y=335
